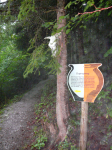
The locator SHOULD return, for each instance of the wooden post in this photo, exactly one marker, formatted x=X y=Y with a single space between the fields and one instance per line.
x=83 y=127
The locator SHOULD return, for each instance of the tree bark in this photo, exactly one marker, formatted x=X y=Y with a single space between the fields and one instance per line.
x=62 y=94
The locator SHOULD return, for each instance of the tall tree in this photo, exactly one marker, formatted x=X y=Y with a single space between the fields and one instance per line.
x=62 y=97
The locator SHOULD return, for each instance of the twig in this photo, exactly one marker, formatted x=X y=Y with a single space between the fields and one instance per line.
x=98 y=10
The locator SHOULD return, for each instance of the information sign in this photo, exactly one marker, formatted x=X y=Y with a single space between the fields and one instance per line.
x=85 y=81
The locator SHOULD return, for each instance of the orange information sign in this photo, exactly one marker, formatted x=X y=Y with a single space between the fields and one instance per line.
x=85 y=81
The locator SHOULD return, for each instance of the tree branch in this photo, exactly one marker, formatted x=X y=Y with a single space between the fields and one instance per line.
x=98 y=10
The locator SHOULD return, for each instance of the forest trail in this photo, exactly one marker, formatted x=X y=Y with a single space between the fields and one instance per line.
x=17 y=121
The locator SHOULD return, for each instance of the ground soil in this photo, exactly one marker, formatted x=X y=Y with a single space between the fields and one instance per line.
x=18 y=120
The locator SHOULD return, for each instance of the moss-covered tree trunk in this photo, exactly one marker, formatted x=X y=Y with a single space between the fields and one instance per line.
x=62 y=96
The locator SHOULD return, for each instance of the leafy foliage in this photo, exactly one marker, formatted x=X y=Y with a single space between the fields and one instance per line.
x=12 y=62
x=27 y=7
x=66 y=145
x=38 y=58
x=41 y=58
x=14 y=40
x=40 y=141
x=107 y=95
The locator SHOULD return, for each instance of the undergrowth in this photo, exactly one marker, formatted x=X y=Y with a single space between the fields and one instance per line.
x=65 y=145
x=97 y=120
x=106 y=94
x=40 y=140
x=45 y=115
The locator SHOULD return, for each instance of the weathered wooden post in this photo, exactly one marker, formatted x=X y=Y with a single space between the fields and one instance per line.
x=83 y=126
x=84 y=81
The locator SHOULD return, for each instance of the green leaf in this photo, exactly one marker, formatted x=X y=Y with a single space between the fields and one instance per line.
x=67 y=31
x=110 y=113
x=68 y=5
x=55 y=26
x=74 y=18
x=61 y=17
x=47 y=24
x=108 y=52
x=109 y=13
x=89 y=4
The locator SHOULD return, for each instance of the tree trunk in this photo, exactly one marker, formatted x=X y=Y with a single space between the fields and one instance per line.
x=62 y=94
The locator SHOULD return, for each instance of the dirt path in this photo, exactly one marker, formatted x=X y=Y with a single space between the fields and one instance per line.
x=16 y=124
